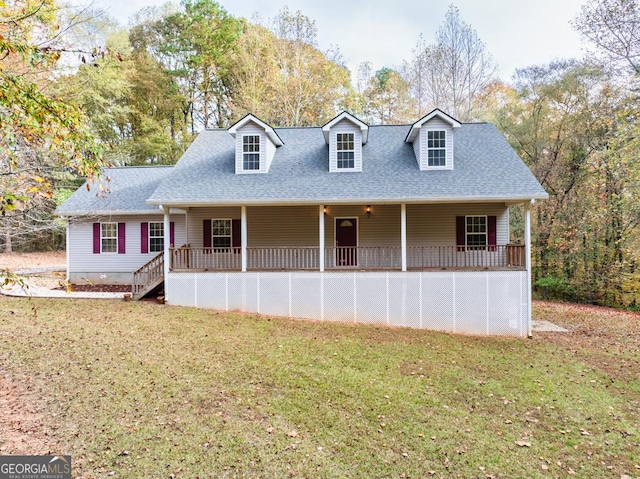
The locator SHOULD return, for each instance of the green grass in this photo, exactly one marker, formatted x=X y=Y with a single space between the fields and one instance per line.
x=143 y=390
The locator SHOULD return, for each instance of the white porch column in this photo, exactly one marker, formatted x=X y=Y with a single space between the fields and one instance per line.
x=167 y=235
x=403 y=234
x=243 y=237
x=321 y=236
x=527 y=258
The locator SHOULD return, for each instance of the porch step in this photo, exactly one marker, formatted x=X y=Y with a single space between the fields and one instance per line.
x=148 y=288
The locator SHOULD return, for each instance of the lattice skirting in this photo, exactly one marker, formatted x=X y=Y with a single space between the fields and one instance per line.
x=492 y=302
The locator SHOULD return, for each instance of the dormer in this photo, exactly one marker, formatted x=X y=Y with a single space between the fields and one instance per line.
x=345 y=135
x=256 y=144
x=432 y=139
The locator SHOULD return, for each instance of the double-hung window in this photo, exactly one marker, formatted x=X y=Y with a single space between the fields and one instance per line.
x=436 y=148
x=221 y=234
x=251 y=152
x=109 y=237
x=476 y=232
x=156 y=237
x=345 y=151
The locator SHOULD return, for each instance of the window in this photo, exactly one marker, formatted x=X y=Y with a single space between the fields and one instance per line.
x=345 y=150
x=436 y=148
x=251 y=152
x=109 y=237
x=476 y=231
x=221 y=232
x=156 y=237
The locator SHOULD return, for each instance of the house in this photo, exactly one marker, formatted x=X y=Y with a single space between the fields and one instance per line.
x=403 y=225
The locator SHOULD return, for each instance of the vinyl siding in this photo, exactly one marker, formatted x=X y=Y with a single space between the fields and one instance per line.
x=434 y=124
x=427 y=225
x=267 y=148
x=345 y=126
x=80 y=244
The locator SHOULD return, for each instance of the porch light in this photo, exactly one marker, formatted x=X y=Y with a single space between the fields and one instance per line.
x=325 y=210
x=368 y=210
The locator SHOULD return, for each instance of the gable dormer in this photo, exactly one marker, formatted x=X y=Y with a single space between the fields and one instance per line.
x=256 y=144
x=432 y=138
x=345 y=135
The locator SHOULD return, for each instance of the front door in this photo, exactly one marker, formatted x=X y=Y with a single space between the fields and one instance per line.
x=346 y=241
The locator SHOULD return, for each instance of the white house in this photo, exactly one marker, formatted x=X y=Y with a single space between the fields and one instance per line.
x=396 y=224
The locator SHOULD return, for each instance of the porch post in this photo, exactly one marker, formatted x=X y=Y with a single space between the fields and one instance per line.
x=167 y=228
x=403 y=234
x=243 y=235
x=321 y=237
x=527 y=258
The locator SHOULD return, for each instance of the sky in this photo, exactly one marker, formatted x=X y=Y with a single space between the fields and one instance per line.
x=516 y=33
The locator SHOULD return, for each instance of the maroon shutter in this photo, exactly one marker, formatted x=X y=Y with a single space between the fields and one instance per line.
x=96 y=238
x=460 y=232
x=206 y=233
x=172 y=234
x=144 y=237
x=121 y=238
x=492 y=232
x=236 y=234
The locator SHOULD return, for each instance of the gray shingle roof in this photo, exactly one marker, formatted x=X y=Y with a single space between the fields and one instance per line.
x=128 y=191
x=486 y=168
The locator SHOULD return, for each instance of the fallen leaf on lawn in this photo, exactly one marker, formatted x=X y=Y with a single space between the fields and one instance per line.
x=523 y=443
x=584 y=433
x=293 y=433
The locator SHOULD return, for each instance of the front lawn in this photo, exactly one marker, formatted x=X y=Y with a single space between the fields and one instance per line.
x=137 y=390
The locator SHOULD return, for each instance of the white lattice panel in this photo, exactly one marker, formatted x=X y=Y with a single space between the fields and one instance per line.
x=469 y=302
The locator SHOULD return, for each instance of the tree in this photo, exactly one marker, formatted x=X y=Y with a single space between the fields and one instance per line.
x=387 y=99
x=451 y=73
x=39 y=134
x=613 y=26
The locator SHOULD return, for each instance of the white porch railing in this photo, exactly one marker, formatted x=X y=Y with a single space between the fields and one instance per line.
x=362 y=257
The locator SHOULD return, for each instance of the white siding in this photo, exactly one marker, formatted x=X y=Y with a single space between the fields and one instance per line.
x=345 y=126
x=422 y=156
x=267 y=149
x=83 y=263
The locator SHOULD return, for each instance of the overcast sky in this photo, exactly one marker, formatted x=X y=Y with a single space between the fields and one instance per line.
x=517 y=33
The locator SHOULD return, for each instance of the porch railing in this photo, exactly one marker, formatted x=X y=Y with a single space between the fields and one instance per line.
x=362 y=257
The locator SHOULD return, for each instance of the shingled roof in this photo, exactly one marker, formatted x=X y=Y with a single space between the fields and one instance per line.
x=486 y=168
x=125 y=191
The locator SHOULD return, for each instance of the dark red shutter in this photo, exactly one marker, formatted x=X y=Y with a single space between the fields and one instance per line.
x=460 y=232
x=236 y=233
x=96 y=238
x=206 y=233
x=122 y=238
x=492 y=231
x=144 y=237
x=172 y=234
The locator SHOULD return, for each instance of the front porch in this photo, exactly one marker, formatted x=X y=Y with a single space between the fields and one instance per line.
x=362 y=258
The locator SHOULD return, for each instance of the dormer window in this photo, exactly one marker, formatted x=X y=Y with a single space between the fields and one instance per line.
x=436 y=148
x=256 y=144
x=345 y=150
x=432 y=138
x=250 y=152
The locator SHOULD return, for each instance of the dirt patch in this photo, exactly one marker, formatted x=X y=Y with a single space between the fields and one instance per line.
x=21 y=425
x=97 y=288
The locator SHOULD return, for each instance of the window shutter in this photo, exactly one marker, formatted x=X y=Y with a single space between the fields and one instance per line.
x=236 y=234
x=460 y=232
x=492 y=232
x=172 y=234
x=121 y=238
x=206 y=233
x=144 y=237
x=96 y=238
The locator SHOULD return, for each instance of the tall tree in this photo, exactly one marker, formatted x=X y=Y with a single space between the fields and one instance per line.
x=451 y=73
x=613 y=26
x=387 y=99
